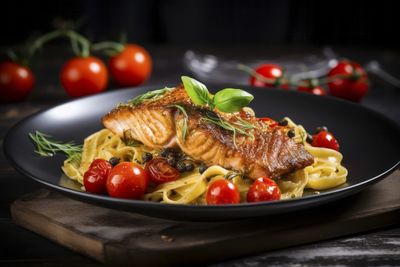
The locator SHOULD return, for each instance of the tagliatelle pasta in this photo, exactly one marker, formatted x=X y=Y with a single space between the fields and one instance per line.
x=326 y=171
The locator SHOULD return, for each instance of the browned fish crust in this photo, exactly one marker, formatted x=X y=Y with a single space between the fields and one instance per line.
x=267 y=152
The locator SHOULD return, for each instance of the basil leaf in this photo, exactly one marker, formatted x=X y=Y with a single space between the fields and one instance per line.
x=197 y=91
x=231 y=100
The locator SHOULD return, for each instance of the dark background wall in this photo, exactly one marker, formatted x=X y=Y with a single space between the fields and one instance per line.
x=372 y=23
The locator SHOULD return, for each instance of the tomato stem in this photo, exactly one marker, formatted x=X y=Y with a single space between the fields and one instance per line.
x=12 y=55
x=108 y=47
x=75 y=38
x=79 y=39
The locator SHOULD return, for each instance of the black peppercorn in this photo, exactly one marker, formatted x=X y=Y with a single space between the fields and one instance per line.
x=291 y=133
x=321 y=129
x=180 y=156
x=283 y=122
x=189 y=166
x=202 y=168
x=181 y=166
x=113 y=161
x=167 y=151
x=171 y=160
x=147 y=156
x=309 y=138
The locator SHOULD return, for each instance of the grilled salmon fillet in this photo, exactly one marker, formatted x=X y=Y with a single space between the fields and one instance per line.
x=265 y=151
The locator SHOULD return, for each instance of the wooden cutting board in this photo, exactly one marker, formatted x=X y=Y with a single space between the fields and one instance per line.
x=113 y=237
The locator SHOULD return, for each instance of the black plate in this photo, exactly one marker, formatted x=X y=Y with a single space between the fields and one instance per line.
x=369 y=142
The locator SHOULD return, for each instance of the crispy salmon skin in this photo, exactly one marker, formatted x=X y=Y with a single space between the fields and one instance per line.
x=158 y=123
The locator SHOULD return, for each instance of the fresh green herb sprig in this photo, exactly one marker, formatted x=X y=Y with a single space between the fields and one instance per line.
x=47 y=147
x=231 y=174
x=185 y=120
x=238 y=126
x=197 y=91
x=227 y=100
x=149 y=96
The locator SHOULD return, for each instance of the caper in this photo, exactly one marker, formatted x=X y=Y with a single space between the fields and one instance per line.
x=113 y=161
x=147 y=156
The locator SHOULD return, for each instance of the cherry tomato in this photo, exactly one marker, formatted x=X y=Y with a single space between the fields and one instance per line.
x=317 y=90
x=263 y=189
x=95 y=178
x=325 y=139
x=82 y=76
x=271 y=123
x=127 y=180
x=160 y=171
x=16 y=82
x=132 y=66
x=272 y=72
x=354 y=87
x=311 y=86
x=222 y=192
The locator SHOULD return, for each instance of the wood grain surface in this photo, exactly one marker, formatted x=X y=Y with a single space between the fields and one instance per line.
x=112 y=236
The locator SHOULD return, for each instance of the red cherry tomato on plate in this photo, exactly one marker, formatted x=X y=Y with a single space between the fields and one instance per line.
x=132 y=66
x=160 y=171
x=354 y=86
x=222 y=192
x=325 y=139
x=95 y=178
x=263 y=189
x=272 y=72
x=16 y=82
x=82 y=76
x=127 y=180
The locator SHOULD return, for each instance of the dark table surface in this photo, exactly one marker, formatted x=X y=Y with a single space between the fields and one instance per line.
x=19 y=247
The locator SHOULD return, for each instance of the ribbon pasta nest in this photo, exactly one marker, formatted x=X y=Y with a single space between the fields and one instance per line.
x=326 y=172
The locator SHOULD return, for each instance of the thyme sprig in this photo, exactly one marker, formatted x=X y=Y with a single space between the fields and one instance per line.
x=148 y=96
x=240 y=126
x=231 y=174
x=47 y=147
x=185 y=119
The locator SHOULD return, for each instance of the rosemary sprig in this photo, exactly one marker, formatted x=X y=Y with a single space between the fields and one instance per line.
x=185 y=119
x=148 y=96
x=243 y=124
x=47 y=147
x=240 y=126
